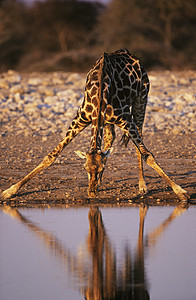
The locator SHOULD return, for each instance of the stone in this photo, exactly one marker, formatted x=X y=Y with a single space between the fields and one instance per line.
x=43 y=104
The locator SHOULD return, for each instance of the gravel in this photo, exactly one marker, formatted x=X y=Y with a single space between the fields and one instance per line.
x=45 y=103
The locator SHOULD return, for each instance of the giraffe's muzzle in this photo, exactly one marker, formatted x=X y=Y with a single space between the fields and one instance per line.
x=93 y=187
x=92 y=193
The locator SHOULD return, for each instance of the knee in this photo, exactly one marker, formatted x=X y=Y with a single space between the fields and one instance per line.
x=48 y=160
x=148 y=157
x=150 y=160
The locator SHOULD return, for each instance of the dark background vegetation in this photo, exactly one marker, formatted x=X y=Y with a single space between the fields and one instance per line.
x=70 y=35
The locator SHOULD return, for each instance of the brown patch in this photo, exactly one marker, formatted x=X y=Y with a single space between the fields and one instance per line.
x=94 y=101
x=94 y=114
x=112 y=120
x=126 y=81
x=89 y=108
x=126 y=109
x=92 y=131
x=126 y=92
x=133 y=134
x=94 y=76
x=109 y=111
x=88 y=85
x=88 y=98
x=106 y=94
x=119 y=84
x=94 y=91
x=83 y=115
x=116 y=76
x=115 y=102
x=68 y=140
x=103 y=106
x=117 y=112
x=121 y=94
x=74 y=133
x=134 y=85
x=119 y=68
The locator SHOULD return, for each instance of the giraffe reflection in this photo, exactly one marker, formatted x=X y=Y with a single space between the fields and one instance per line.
x=100 y=276
x=108 y=282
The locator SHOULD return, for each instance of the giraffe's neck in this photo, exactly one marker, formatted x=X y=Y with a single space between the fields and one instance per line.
x=99 y=111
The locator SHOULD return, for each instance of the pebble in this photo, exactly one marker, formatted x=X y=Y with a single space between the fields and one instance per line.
x=44 y=103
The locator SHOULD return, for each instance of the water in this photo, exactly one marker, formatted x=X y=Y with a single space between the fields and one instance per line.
x=98 y=253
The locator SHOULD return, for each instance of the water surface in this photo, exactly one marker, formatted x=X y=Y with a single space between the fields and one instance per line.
x=98 y=253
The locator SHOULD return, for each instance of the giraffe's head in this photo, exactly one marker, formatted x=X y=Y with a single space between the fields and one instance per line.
x=95 y=163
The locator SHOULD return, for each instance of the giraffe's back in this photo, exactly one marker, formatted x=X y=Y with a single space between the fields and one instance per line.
x=116 y=82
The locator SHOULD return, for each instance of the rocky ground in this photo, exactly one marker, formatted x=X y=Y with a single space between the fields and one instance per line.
x=36 y=110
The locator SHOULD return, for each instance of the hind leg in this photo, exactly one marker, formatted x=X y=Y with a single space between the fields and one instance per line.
x=132 y=133
x=109 y=137
x=142 y=184
x=150 y=160
x=138 y=114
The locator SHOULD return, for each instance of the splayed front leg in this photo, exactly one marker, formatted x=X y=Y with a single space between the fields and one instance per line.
x=47 y=161
x=109 y=137
x=76 y=127
x=11 y=191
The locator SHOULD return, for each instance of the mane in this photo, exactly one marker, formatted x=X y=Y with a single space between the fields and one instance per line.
x=100 y=120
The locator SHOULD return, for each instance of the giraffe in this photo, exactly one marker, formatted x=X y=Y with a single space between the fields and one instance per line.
x=116 y=93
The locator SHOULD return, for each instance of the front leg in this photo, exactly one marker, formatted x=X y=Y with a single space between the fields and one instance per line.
x=109 y=137
x=78 y=124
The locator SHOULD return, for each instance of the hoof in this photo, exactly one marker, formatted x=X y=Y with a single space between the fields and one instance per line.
x=143 y=189
x=184 y=196
x=92 y=194
x=10 y=192
x=181 y=193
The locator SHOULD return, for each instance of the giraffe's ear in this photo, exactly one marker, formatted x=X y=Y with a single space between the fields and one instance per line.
x=80 y=154
x=108 y=152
